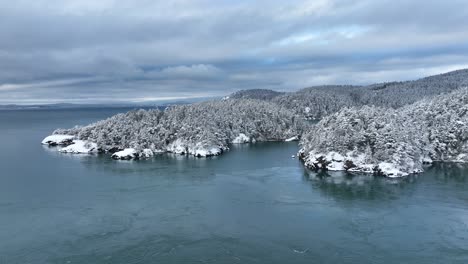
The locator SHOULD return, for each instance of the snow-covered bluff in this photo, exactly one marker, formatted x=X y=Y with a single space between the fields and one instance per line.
x=390 y=142
x=201 y=129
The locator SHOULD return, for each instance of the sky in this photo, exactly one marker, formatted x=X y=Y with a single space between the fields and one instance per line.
x=109 y=51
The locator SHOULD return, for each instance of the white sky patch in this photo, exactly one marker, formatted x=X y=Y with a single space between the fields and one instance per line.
x=352 y=31
x=83 y=7
x=300 y=38
x=167 y=98
x=307 y=8
x=53 y=83
x=324 y=37
x=192 y=71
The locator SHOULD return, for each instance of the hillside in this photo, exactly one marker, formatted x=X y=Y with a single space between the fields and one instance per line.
x=319 y=101
x=259 y=94
x=390 y=142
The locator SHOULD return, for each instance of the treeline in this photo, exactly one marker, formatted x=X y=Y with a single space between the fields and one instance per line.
x=259 y=94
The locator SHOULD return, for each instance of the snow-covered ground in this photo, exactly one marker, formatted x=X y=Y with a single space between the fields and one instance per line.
x=126 y=154
x=80 y=147
x=292 y=139
x=241 y=138
x=196 y=149
x=54 y=140
x=354 y=162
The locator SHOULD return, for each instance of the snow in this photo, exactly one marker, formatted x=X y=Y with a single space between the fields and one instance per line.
x=391 y=170
x=241 y=138
x=201 y=152
x=198 y=149
x=334 y=161
x=146 y=153
x=80 y=147
x=131 y=153
x=335 y=156
x=427 y=160
x=292 y=139
x=336 y=166
x=126 y=154
x=54 y=140
x=177 y=147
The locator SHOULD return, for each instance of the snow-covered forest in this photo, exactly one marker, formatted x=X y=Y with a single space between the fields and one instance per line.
x=260 y=94
x=320 y=101
x=391 y=142
x=201 y=129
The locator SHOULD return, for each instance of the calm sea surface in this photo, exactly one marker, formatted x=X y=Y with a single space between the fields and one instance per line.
x=255 y=204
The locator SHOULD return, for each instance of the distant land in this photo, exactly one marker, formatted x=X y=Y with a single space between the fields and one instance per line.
x=106 y=105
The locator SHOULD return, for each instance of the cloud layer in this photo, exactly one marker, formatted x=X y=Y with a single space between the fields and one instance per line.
x=139 y=50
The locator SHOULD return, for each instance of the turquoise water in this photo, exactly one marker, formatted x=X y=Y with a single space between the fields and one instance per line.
x=254 y=204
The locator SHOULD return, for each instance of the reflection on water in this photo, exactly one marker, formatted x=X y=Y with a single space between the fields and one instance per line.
x=348 y=187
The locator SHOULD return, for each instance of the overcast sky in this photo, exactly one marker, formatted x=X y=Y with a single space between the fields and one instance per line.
x=99 y=51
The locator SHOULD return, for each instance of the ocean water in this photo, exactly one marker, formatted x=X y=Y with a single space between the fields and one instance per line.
x=254 y=204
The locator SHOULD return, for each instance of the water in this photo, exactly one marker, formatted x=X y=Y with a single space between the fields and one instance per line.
x=255 y=204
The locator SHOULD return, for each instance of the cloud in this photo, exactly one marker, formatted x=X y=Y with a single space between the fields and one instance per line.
x=113 y=50
x=189 y=72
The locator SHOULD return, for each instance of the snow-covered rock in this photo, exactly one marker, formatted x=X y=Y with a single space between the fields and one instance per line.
x=206 y=152
x=198 y=149
x=177 y=147
x=146 y=153
x=292 y=139
x=354 y=162
x=80 y=147
x=241 y=138
x=58 y=140
x=131 y=153
x=126 y=154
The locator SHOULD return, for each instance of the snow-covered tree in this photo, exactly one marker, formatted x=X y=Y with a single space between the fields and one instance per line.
x=320 y=101
x=393 y=142
x=200 y=129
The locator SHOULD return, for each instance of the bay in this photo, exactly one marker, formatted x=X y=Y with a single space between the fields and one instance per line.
x=254 y=204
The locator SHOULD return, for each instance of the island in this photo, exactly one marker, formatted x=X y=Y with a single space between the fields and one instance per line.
x=390 y=129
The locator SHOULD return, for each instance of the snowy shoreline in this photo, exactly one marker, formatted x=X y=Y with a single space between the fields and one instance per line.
x=352 y=162
x=69 y=144
x=202 y=129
